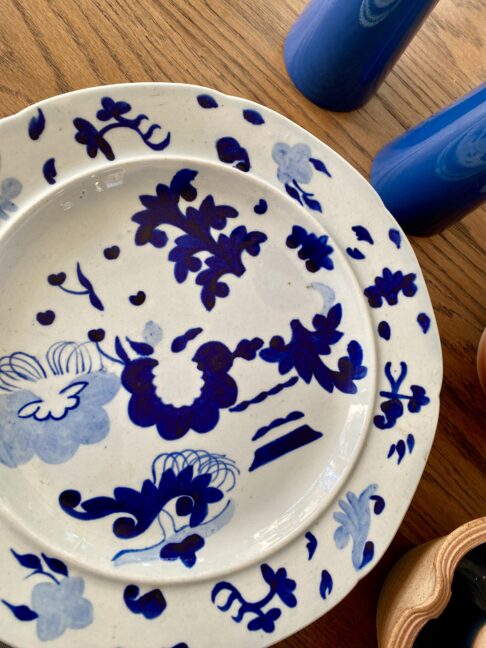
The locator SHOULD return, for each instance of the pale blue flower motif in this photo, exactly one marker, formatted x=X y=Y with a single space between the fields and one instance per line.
x=293 y=162
x=9 y=189
x=60 y=607
x=49 y=408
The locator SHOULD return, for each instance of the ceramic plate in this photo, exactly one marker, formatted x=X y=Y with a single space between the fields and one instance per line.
x=219 y=374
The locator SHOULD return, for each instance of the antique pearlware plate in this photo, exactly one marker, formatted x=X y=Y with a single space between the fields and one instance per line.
x=219 y=373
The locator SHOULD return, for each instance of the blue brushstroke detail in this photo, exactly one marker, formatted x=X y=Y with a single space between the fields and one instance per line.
x=401 y=447
x=315 y=251
x=362 y=234
x=388 y=287
x=53 y=426
x=395 y=237
x=231 y=152
x=150 y=605
x=294 y=440
x=140 y=348
x=354 y=523
x=206 y=101
x=197 y=225
x=384 y=330
x=354 y=253
x=261 y=207
x=278 y=585
x=180 y=343
x=424 y=322
x=56 y=606
x=305 y=349
x=113 y=111
x=311 y=544
x=253 y=116
x=294 y=168
x=9 y=189
x=37 y=125
x=46 y=318
x=152 y=333
x=392 y=407
x=214 y=361
x=326 y=585
x=57 y=280
x=49 y=171
x=293 y=416
x=181 y=496
x=263 y=395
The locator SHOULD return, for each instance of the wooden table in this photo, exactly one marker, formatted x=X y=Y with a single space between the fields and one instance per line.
x=53 y=46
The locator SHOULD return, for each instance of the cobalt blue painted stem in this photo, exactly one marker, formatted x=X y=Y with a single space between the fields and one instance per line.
x=435 y=174
x=339 y=51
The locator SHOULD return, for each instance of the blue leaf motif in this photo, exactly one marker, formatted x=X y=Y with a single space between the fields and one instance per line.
x=150 y=605
x=362 y=234
x=55 y=565
x=395 y=237
x=293 y=193
x=315 y=251
x=231 y=152
x=326 y=585
x=207 y=101
x=86 y=283
x=253 y=116
x=49 y=171
x=389 y=286
x=355 y=253
x=319 y=166
x=311 y=203
x=21 y=612
x=311 y=544
x=37 y=125
x=29 y=561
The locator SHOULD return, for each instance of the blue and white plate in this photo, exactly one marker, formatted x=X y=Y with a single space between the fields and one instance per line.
x=219 y=373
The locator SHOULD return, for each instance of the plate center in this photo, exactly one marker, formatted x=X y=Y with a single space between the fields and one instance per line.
x=185 y=380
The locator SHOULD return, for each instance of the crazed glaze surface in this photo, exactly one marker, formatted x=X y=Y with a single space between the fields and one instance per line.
x=219 y=372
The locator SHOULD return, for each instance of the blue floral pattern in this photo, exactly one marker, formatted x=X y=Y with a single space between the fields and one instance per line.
x=225 y=252
x=295 y=168
x=183 y=488
x=279 y=585
x=354 y=523
x=314 y=250
x=50 y=407
x=388 y=287
x=94 y=137
x=57 y=604
x=10 y=188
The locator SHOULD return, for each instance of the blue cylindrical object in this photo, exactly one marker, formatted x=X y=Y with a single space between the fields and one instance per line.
x=435 y=173
x=339 y=51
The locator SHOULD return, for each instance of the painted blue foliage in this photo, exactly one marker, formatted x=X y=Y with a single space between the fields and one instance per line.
x=180 y=496
x=401 y=447
x=354 y=523
x=94 y=137
x=395 y=237
x=225 y=251
x=293 y=416
x=384 y=330
x=207 y=101
x=388 y=286
x=355 y=253
x=295 y=167
x=263 y=395
x=49 y=171
x=57 y=280
x=423 y=321
x=311 y=544
x=315 y=251
x=253 y=116
x=150 y=605
x=53 y=423
x=231 y=152
x=219 y=391
x=261 y=207
x=392 y=407
x=180 y=342
x=37 y=125
x=326 y=585
x=305 y=349
x=46 y=318
x=57 y=604
x=289 y=442
x=279 y=585
x=9 y=189
x=362 y=234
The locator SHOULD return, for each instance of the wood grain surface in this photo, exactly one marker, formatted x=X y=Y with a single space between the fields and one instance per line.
x=52 y=46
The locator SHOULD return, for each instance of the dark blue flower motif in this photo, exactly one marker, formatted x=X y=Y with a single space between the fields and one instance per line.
x=279 y=585
x=112 y=109
x=10 y=189
x=181 y=496
x=185 y=550
x=223 y=254
x=219 y=391
x=315 y=251
x=52 y=422
x=94 y=138
x=389 y=286
x=304 y=350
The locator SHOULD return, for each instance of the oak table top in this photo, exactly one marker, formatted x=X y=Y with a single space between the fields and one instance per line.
x=49 y=47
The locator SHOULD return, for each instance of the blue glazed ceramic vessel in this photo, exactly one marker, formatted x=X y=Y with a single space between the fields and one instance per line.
x=435 y=174
x=338 y=53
